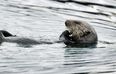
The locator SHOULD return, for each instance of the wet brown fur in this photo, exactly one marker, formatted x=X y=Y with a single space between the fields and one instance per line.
x=78 y=29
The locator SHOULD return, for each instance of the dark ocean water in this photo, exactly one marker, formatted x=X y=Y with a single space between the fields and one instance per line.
x=44 y=20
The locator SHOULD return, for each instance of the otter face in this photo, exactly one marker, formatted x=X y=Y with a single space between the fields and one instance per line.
x=78 y=28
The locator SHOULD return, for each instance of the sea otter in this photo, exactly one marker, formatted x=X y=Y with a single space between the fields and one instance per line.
x=78 y=33
x=5 y=36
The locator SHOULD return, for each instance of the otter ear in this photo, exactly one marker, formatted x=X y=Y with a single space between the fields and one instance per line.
x=88 y=32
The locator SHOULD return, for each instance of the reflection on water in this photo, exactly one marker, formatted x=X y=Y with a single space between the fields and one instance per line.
x=44 y=20
x=90 y=60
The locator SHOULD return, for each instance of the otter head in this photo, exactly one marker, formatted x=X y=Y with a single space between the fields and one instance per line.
x=77 y=28
x=81 y=31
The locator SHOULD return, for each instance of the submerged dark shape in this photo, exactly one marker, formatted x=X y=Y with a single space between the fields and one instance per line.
x=5 y=36
x=6 y=33
x=79 y=34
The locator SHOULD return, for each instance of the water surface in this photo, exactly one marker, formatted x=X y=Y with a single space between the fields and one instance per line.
x=44 y=20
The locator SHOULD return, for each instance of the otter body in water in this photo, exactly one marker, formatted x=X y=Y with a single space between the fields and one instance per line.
x=78 y=33
x=8 y=37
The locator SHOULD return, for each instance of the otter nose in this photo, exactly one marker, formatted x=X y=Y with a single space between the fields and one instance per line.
x=67 y=22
